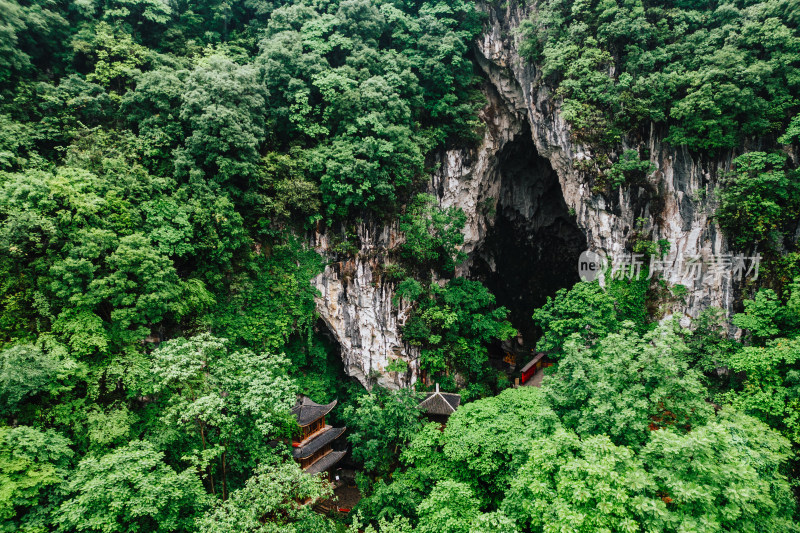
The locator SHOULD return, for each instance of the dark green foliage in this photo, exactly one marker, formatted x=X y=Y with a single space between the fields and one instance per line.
x=759 y=201
x=433 y=235
x=223 y=106
x=274 y=301
x=162 y=165
x=629 y=168
x=380 y=426
x=712 y=73
x=453 y=325
x=368 y=89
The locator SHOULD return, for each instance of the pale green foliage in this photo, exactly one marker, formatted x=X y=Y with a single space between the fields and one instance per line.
x=34 y=465
x=450 y=508
x=764 y=317
x=206 y=386
x=16 y=141
x=269 y=503
x=494 y=522
x=771 y=390
x=627 y=385
x=485 y=441
x=131 y=490
x=725 y=476
x=722 y=476
x=588 y=485
x=110 y=426
x=399 y=525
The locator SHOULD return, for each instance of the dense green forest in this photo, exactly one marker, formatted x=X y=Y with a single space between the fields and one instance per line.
x=162 y=163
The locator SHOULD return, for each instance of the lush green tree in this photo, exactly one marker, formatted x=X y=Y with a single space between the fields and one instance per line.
x=484 y=441
x=273 y=301
x=725 y=476
x=268 y=503
x=586 y=309
x=380 y=425
x=34 y=466
x=153 y=109
x=585 y=485
x=223 y=107
x=450 y=508
x=30 y=36
x=759 y=201
x=433 y=235
x=711 y=73
x=232 y=403
x=628 y=386
x=105 y=283
x=494 y=522
x=111 y=54
x=28 y=372
x=131 y=489
x=368 y=88
x=453 y=324
x=770 y=385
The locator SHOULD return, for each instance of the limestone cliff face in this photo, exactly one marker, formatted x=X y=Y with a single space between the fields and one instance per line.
x=529 y=211
x=673 y=206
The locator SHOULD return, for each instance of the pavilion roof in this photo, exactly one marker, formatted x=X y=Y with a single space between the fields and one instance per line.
x=307 y=411
x=326 y=436
x=440 y=403
x=325 y=462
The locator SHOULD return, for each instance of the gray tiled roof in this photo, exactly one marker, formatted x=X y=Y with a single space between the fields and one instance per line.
x=324 y=437
x=325 y=462
x=306 y=411
x=440 y=403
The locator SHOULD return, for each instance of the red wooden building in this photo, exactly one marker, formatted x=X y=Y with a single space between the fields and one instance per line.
x=534 y=365
x=314 y=449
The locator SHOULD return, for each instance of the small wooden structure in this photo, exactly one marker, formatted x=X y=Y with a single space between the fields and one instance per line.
x=534 y=365
x=438 y=406
x=314 y=451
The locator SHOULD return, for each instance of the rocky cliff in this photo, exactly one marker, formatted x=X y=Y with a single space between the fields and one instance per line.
x=530 y=213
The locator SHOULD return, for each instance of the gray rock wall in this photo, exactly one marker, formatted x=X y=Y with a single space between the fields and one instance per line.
x=356 y=300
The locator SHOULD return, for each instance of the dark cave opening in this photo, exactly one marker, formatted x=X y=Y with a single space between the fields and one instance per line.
x=533 y=248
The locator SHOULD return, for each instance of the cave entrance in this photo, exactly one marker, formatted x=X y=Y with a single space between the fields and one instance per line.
x=533 y=248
